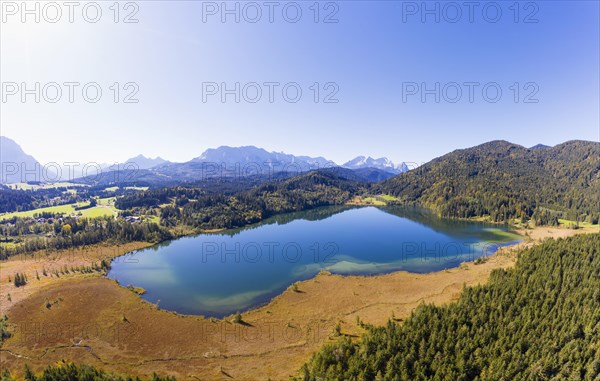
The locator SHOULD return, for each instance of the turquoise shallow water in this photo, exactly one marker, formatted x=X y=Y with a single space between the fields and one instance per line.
x=221 y=273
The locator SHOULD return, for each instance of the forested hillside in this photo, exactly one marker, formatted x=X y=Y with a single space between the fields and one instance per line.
x=504 y=181
x=537 y=321
x=299 y=193
x=203 y=209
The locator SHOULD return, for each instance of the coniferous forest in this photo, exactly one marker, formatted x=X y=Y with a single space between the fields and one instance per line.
x=537 y=321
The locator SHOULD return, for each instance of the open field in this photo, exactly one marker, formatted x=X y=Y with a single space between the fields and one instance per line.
x=105 y=207
x=36 y=263
x=372 y=200
x=152 y=219
x=581 y=224
x=87 y=318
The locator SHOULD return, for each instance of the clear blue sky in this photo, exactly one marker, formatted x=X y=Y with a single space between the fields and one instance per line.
x=369 y=54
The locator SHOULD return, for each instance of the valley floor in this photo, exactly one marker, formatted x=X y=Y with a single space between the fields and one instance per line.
x=83 y=317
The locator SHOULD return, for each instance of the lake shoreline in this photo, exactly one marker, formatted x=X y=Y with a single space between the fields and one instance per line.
x=217 y=275
x=265 y=336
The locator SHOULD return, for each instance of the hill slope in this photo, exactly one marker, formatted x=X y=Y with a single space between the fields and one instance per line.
x=371 y=175
x=505 y=180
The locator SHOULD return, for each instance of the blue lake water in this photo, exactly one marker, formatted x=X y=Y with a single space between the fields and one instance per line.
x=218 y=274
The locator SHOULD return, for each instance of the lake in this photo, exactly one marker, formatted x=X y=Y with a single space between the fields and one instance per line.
x=218 y=274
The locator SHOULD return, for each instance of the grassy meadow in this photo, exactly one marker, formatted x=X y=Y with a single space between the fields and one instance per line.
x=105 y=207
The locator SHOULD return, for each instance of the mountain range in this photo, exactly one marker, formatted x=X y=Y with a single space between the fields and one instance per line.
x=222 y=161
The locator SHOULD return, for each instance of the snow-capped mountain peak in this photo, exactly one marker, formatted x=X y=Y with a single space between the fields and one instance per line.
x=382 y=163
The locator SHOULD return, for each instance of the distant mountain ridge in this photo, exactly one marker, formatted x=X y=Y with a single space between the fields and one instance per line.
x=235 y=162
x=253 y=155
x=222 y=161
x=144 y=162
x=382 y=163
x=245 y=161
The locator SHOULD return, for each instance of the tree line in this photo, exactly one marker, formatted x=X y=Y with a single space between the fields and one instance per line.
x=76 y=232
